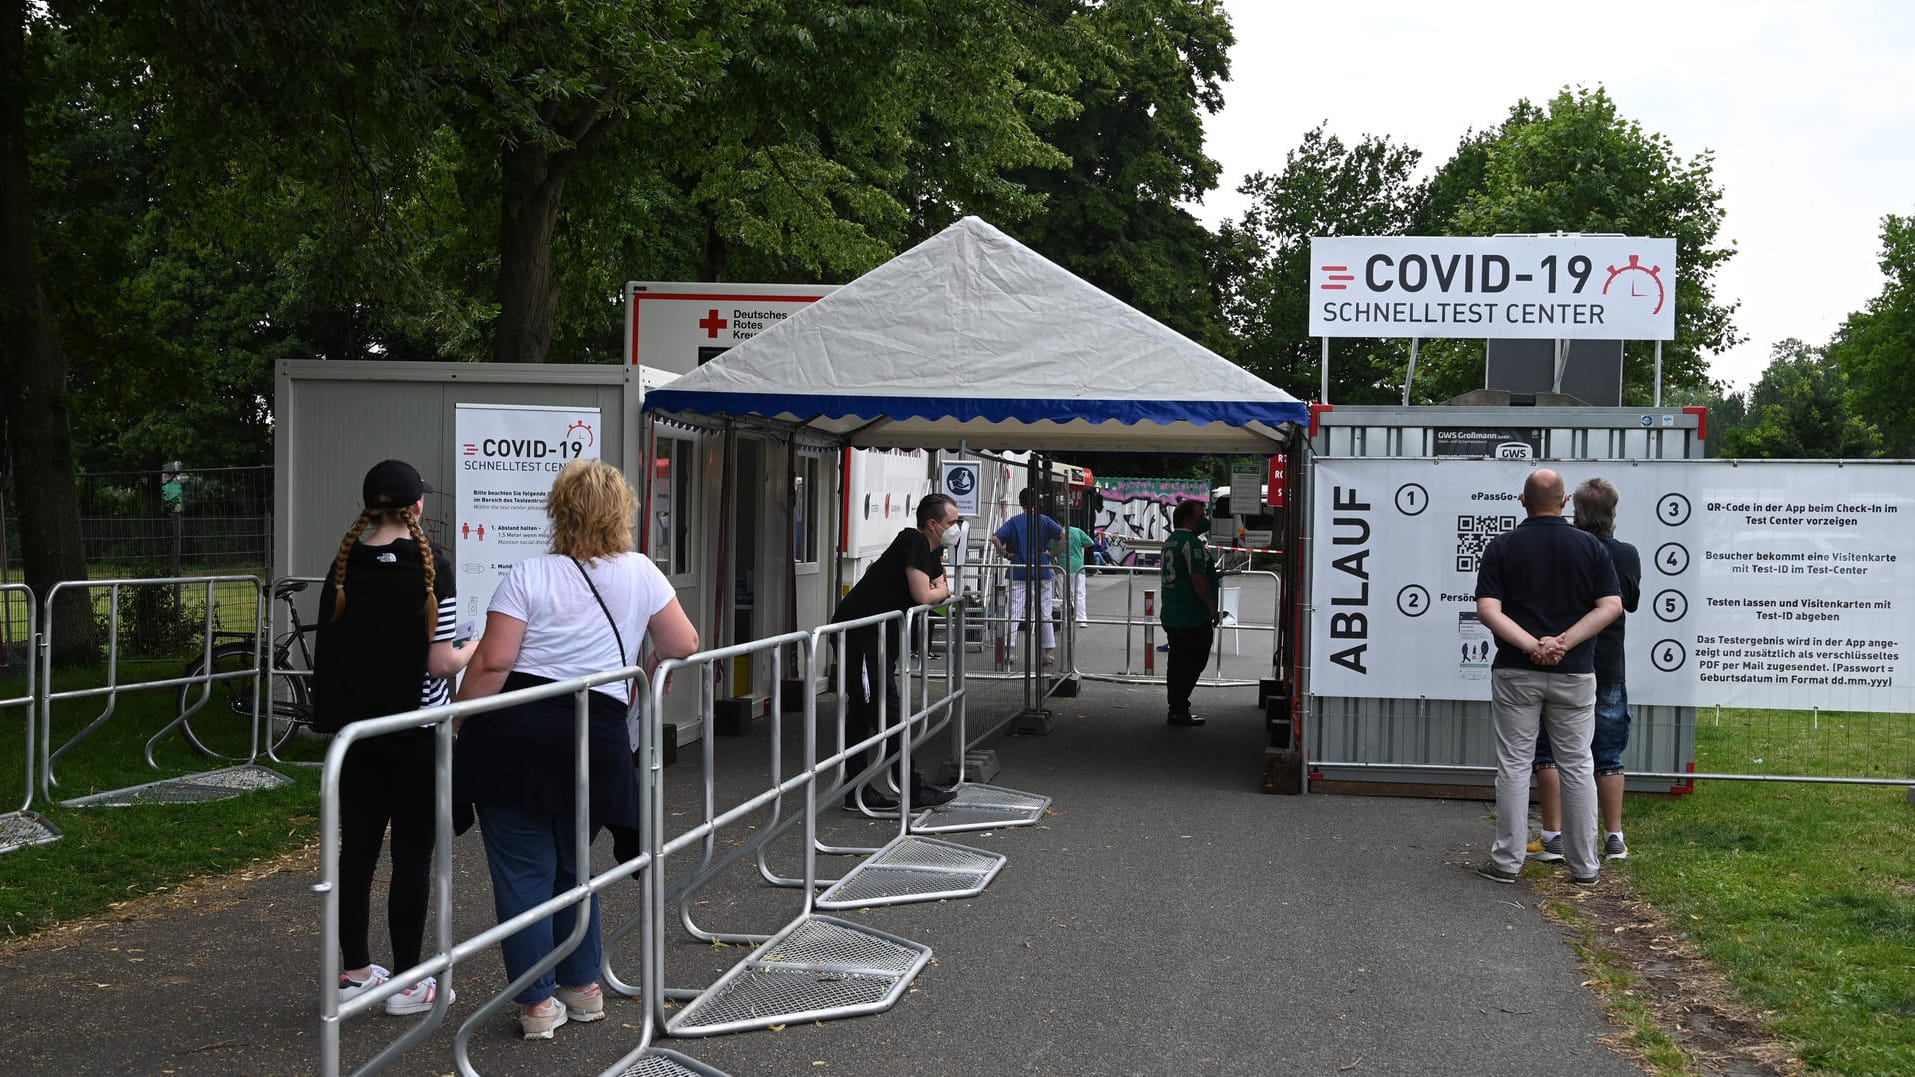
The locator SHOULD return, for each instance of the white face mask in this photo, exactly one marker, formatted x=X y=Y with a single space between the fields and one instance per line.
x=950 y=537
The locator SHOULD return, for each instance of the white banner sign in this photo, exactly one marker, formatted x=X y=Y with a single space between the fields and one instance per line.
x=1543 y=287
x=1769 y=585
x=508 y=455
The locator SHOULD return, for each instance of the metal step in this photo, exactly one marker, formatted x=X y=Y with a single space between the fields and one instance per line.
x=982 y=807
x=191 y=789
x=818 y=968
x=658 y=1062
x=23 y=828
x=912 y=869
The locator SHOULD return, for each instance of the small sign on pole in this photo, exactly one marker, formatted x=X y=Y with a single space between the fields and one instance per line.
x=961 y=481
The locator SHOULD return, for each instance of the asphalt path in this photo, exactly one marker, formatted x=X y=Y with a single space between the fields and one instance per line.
x=1166 y=917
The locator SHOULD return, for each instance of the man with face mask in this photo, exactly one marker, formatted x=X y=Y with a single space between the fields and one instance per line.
x=1189 y=610
x=909 y=573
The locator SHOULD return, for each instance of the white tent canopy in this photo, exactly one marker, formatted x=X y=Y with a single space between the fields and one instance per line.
x=973 y=337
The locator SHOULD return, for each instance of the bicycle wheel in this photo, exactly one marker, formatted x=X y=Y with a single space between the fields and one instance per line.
x=222 y=727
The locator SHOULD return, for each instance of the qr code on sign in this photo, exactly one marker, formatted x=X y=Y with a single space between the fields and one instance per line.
x=1472 y=538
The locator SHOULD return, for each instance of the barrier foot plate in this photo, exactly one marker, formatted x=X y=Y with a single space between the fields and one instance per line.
x=23 y=828
x=659 y=1062
x=818 y=968
x=982 y=807
x=912 y=869
x=190 y=789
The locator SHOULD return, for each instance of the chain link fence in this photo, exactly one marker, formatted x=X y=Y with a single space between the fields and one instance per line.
x=178 y=521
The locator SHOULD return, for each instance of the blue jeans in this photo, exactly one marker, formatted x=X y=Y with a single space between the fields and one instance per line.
x=531 y=856
x=1612 y=732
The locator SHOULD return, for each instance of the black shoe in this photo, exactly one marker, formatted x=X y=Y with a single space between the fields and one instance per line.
x=930 y=796
x=874 y=802
x=1185 y=718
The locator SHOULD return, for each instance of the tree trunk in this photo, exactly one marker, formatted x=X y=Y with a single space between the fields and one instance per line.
x=529 y=213
x=33 y=376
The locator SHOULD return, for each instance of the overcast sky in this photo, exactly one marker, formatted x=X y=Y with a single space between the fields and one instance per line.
x=1809 y=109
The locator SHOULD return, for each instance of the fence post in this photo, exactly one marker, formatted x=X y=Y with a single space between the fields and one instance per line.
x=1150 y=632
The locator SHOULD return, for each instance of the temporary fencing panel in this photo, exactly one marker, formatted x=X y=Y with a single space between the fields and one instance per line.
x=202 y=786
x=20 y=828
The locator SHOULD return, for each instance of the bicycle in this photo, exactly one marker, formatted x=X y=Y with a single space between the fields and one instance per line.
x=219 y=708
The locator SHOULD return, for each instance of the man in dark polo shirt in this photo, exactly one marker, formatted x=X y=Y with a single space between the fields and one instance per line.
x=909 y=573
x=1545 y=590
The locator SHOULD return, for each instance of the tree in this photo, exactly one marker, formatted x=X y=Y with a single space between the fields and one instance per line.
x=33 y=369
x=1801 y=410
x=1325 y=189
x=1142 y=73
x=1578 y=166
x=1875 y=347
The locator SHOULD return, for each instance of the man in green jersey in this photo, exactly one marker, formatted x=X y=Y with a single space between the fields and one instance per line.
x=1189 y=613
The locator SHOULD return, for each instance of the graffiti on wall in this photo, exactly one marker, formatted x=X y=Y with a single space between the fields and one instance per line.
x=1139 y=510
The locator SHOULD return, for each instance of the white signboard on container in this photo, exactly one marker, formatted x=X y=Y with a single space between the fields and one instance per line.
x=1536 y=287
x=1774 y=585
x=683 y=325
x=507 y=456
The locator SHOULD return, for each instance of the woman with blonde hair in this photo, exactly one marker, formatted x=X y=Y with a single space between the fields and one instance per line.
x=585 y=608
x=385 y=647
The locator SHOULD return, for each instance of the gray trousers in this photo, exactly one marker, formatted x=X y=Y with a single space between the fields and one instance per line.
x=1565 y=705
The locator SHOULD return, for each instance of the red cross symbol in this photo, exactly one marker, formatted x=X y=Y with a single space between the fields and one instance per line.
x=711 y=323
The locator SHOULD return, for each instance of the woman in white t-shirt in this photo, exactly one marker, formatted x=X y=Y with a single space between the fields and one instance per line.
x=585 y=608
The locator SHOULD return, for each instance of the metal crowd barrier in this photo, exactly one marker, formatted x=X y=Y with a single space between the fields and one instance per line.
x=22 y=827
x=200 y=786
x=814 y=967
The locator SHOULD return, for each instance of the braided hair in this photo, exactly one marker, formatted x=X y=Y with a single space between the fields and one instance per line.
x=366 y=519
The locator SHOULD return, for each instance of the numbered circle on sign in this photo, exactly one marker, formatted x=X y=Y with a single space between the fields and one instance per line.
x=1412 y=499
x=1412 y=601
x=1671 y=606
x=1672 y=559
x=1673 y=510
x=1668 y=655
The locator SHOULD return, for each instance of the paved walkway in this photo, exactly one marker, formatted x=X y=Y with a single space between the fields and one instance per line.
x=1167 y=918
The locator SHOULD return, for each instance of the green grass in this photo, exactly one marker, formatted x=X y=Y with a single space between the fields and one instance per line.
x=108 y=855
x=1804 y=895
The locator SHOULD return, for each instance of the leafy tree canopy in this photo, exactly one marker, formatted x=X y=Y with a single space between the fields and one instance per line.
x=1875 y=347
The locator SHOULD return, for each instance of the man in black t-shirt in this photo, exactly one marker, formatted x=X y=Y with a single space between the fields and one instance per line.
x=1545 y=590
x=909 y=573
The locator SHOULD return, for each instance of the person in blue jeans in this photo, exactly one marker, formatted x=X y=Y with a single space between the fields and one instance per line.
x=1595 y=503
x=587 y=607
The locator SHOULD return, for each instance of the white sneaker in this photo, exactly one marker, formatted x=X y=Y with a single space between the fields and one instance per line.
x=418 y=998
x=350 y=989
x=539 y=1023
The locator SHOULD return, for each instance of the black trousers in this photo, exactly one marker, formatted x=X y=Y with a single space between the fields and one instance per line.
x=1189 y=654
x=385 y=780
x=864 y=678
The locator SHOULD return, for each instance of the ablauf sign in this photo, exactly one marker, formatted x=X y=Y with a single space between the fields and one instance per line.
x=1509 y=287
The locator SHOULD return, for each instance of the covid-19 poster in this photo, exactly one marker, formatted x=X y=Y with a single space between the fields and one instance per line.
x=507 y=456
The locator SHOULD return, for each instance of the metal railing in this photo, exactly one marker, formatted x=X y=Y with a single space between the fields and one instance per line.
x=111 y=690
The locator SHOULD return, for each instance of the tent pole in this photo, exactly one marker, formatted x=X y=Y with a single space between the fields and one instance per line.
x=724 y=586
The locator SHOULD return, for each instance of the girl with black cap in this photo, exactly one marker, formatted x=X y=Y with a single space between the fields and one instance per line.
x=386 y=646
